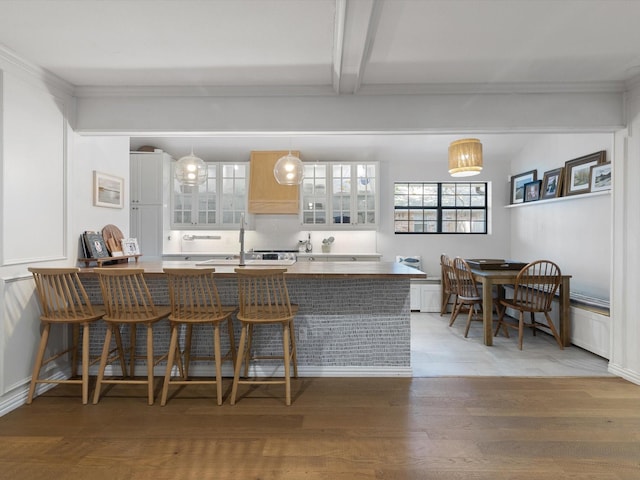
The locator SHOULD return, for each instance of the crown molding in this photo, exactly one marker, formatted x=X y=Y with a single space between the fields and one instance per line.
x=328 y=90
x=204 y=91
x=34 y=71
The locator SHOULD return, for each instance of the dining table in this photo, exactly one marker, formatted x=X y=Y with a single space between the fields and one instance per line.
x=501 y=277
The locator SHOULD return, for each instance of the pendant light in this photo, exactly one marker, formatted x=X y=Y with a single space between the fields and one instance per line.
x=465 y=157
x=191 y=170
x=289 y=170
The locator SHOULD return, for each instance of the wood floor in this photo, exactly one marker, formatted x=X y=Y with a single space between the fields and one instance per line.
x=443 y=428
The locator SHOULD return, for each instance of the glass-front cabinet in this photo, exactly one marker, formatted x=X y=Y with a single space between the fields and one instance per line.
x=340 y=194
x=217 y=203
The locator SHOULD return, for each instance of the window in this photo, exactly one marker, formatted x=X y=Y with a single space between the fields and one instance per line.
x=440 y=207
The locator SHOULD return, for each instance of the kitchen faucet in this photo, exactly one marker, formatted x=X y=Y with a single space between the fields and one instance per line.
x=241 y=263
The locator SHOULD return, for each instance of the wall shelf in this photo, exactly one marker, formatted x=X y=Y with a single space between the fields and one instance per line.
x=560 y=199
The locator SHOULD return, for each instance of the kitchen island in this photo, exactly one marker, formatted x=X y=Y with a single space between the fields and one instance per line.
x=353 y=319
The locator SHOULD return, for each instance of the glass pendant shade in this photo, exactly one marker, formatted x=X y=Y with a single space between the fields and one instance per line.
x=465 y=157
x=289 y=170
x=191 y=170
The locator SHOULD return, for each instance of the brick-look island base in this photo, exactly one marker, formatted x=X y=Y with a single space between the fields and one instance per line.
x=354 y=317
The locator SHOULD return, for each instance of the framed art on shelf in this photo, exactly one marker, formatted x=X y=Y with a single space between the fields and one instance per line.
x=108 y=190
x=518 y=182
x=578 y=173
x=552 y=183
x=532 y=191
x=600 y=179
x=130 y=247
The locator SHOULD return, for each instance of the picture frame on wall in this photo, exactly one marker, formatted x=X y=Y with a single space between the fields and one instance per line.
x=532 y=191
x=518 y=182
x=578 y=173
x=552 y=183
x=108 y=190
x=600 y=179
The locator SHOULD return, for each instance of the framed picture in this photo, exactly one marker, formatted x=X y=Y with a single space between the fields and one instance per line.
x=108 y=190
x=552 y=183
x=600 y=177
x=578 y=173
x=130 y=246
x=532 y=191
x=518 y=182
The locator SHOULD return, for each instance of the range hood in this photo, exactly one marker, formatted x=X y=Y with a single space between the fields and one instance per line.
x=266 y=196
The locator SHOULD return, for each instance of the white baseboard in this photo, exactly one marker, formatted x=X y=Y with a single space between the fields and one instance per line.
x=633 y=377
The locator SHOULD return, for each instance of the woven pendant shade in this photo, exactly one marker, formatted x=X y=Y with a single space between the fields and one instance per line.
x=465 y=157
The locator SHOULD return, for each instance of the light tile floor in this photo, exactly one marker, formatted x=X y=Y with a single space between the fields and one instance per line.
x=439 y=350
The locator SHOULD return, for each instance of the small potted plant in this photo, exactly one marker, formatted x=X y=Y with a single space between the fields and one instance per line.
x=326 y=244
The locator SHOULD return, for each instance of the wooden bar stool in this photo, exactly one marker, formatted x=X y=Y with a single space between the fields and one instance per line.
x=264 y=299
x=63 y=301
x=195 y=301
x=128 y=301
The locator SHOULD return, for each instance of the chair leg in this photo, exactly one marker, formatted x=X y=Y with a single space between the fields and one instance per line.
x=505 y=329
x=472 y=309
x=238 y=367
x=285 y=356
x=120 y=349
x=75 y=343
x=533 y=323
x=454 y=314
x=150 y=364
x=132 y=350
x=35 y=375
x=170 y=362
x=445 y=301
x=294 y=355
x=247 y=354
x=85 y=364
x=103 y=362
x=218 y=360
x=232 y=341
x=520 y=329
x=187 y=351
x=554 y=331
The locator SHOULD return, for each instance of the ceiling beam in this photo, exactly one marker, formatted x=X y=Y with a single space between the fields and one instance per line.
x=355 y=27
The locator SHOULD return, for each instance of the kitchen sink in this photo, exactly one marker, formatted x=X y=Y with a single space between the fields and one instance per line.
x=252 y=262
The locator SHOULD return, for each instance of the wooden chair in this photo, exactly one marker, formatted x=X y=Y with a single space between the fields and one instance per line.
x=63 y=301
x=264 y=299
x=448 y=284
x=468 y=295
x=195 y=301
x=534 y=290
x=128 y=302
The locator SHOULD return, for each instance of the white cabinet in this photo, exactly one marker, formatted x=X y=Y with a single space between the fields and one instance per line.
x=217 y=204
x=425 y=295
x=340 y=194
x=146 y=194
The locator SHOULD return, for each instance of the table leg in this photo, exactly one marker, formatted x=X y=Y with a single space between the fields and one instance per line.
x=565 y=312
x=487 y=310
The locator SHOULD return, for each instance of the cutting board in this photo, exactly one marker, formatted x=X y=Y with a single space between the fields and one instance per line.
x=113 y=239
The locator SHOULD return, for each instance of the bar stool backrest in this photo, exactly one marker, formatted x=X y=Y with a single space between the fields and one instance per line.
x=193 y=293
x=126 y=294
x=61 y=294
x=263 y=294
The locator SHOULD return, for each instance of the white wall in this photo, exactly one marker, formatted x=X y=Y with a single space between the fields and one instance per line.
x=105 y=154
x=625 y=327
x=576 y=232
x=430 y=247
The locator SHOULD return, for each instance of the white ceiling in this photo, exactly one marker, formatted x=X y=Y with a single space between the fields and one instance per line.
x=329 y=46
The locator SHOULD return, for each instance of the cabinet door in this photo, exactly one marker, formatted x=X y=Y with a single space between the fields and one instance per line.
x=314 y=198
x=146 y=178
x=146 y=226
x=365 y=197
